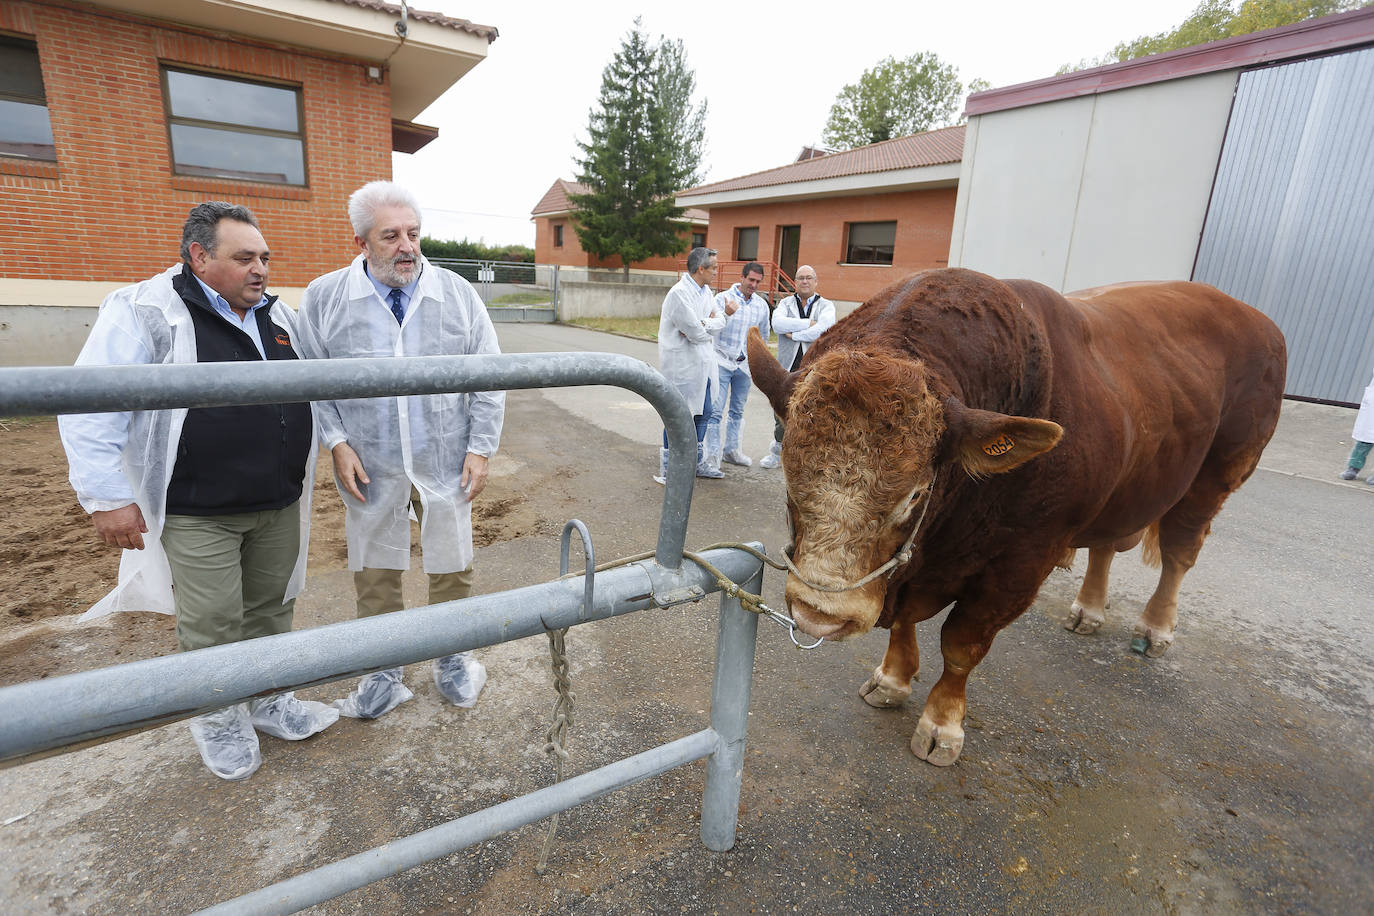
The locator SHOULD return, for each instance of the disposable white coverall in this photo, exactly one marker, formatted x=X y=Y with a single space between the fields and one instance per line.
x=419 y=439
x=686 y=352
x=119 y=458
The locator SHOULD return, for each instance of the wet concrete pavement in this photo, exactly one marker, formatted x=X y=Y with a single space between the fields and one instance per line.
x=1233 y=775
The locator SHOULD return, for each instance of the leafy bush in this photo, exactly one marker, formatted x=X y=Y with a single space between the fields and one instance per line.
x=474 y=251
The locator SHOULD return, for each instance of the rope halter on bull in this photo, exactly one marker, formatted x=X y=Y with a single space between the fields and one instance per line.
x=900 y=558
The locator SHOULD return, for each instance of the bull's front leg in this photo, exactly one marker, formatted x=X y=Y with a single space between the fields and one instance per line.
x=890 y=684
x=965 y=639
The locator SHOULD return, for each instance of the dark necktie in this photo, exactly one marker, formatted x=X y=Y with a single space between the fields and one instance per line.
x=395 y=297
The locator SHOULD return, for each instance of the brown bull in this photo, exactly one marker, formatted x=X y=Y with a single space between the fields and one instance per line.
x=980 y=430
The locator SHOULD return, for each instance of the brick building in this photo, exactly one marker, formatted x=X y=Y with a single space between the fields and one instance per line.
x=555 y=238
x=863 y=218
x=115 y=121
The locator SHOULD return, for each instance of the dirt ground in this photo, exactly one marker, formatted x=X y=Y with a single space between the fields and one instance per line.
x=53 y=566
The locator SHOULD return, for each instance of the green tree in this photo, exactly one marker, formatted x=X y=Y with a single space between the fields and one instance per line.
x=1214 y=20
x=634 y=160
x=893 y=99
x=684 y=120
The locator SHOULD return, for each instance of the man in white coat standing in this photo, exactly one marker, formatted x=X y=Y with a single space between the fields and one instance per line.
x=798 y=320
x=686 y=355
x=212 y=504
x=394 y=455
x=1363 y=434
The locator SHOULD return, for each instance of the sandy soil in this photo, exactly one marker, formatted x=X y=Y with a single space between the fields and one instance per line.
x=52 y=567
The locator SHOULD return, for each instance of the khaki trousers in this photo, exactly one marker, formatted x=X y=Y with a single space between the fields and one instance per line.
x=229 y=574
x=379 y=590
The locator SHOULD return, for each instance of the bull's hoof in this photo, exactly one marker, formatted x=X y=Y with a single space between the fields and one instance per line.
x=884 y=692
x=1084 y=620
x=937 y=744
x=1150 y=642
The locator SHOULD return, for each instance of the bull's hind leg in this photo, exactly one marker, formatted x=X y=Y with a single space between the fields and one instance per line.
x=890 y=684
x=1089 y=610
x=1181 y=532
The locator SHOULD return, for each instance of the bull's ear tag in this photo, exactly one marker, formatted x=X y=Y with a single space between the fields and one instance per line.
x=999 y=446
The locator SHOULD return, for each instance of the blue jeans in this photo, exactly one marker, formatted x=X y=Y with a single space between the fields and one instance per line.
x=703 y=419
x=734 y=388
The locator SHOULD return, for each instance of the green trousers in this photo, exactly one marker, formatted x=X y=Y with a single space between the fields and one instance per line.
x=1359 y=453
x=229 y=574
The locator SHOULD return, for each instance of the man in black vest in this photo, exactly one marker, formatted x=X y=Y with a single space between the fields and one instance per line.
x=218 y=489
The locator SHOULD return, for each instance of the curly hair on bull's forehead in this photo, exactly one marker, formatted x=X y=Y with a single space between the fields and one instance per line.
x=854 y=404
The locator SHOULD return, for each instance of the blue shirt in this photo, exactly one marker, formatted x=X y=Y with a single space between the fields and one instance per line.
x=384 y=291
x=248 y=323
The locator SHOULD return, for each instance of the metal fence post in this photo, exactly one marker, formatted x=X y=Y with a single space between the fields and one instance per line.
x=729 y=718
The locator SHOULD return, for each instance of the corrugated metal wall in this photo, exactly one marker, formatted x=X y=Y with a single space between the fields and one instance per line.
x=1290 y=228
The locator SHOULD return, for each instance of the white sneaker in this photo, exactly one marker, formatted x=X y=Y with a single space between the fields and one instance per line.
x=227 y=743
x=735 y=456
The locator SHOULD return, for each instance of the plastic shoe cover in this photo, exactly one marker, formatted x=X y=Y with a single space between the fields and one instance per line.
x=227 y=742
x=1350 y=473
x=704 y=468
x=460 y=678
x=283 y=716
x=376 y=695
x=662 y=475
x=772 y=460
x=735 y=456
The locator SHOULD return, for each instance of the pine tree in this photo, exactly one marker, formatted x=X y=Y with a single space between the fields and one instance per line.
x=632 y=162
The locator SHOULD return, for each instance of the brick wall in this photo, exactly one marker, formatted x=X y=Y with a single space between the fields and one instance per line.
x=924 y=220
x=112 y=210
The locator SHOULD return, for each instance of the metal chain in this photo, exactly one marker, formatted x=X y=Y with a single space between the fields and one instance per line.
x=554 y=744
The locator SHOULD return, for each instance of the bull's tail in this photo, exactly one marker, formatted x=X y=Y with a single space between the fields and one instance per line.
x=1149 y=547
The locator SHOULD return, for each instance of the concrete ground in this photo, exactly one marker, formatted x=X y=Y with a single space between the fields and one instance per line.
x=1231 y=776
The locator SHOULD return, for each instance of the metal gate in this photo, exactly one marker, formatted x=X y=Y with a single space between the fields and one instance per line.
x=95 y=706
x=1290 y=228
x=511 y=290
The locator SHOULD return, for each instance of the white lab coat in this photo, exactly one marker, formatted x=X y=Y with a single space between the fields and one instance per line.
x=1364 y=420
x=419 y=440
x=686 y=352
x=118 y=458
x=786 y=319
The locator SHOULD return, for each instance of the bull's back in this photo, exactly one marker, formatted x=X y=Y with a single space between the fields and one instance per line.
x=1151 y=381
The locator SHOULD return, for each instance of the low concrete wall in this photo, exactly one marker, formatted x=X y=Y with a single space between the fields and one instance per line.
x=43 y=335
x=609 y=300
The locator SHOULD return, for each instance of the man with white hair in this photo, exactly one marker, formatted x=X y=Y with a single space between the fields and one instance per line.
x=426 y=453
x=798 y=320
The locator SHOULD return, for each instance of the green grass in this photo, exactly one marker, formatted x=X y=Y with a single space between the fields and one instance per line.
x=645 y=328
x=522 y=299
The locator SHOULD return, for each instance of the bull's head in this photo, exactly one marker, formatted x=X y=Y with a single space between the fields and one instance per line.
x=866 y=439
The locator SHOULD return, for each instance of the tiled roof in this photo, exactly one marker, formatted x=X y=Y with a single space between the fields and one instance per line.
x=485 y=31
x=555 y=201
x=934 y=147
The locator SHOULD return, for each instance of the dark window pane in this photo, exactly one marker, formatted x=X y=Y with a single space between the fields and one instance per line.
x=229 y=154
x=558 y=236
x=25 y=131
x=20 y=75
x=871 y=243
x=747 y=244
x=210 y=98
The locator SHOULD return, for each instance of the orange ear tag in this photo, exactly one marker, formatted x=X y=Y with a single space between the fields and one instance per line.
x=1000 y=446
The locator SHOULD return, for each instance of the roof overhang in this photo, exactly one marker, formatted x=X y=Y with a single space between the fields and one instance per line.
x=431 y=59
x=1301 y=39
x=923 y=177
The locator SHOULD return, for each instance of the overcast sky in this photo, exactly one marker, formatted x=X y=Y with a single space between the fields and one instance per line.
x=768 y=72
